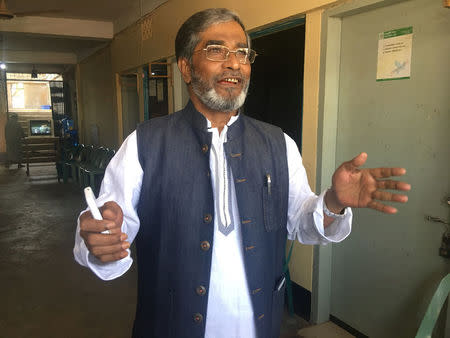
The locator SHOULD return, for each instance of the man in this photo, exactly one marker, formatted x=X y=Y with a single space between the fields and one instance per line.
x=13 y=135
x=211 y=196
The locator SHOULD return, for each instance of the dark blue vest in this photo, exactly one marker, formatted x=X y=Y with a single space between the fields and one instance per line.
x=176 y=210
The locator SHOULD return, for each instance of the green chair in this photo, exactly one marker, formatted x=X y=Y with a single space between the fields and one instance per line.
x=94 y=176
x=432 y=314
x=84 y=157
x=69 y=156
x=94 y=162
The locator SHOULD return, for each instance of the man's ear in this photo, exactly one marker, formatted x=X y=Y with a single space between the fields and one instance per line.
x=185 y=69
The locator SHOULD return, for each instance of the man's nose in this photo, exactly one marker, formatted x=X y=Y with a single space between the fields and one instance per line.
x=232 y=62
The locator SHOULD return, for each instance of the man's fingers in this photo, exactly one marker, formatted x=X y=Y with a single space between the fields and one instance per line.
x=88 y=224
x=382 y=207
x=95 y=239
x=387 y=172
x=393 y=185
x=359 y=160
x=111 y=210
x=388 y=196
x=109 y=249
x=113 y=257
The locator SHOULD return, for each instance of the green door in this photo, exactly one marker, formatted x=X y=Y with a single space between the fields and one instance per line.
x=384 y=275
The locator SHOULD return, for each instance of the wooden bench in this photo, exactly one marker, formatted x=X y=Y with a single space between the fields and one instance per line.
x=38 y=149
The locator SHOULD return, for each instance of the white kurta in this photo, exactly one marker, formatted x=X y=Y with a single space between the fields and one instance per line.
x=230 y=313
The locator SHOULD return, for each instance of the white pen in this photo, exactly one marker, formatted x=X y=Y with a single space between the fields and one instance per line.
x=281 y=283
x=90 y=200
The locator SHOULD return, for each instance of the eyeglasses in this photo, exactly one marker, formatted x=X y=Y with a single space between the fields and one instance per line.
x=222 y=53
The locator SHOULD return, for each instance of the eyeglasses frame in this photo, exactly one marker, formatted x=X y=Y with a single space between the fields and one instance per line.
x=247 y=61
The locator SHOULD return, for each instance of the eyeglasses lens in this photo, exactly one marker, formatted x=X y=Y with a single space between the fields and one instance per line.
x=221 y=53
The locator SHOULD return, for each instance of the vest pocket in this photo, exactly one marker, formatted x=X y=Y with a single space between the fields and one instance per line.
x=277 y=310
x=270 y=203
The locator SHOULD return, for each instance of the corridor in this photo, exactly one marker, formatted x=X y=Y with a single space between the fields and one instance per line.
x=45 y=293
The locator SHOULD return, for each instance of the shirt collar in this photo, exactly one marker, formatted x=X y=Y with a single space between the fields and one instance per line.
x=230 y=122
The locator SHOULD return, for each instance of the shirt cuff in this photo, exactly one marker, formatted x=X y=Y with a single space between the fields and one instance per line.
x=338 y=230
x=105 y=271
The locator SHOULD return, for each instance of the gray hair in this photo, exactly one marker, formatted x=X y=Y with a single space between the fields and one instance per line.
x=188 y=35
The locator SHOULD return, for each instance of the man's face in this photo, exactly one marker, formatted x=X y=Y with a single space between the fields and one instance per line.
x=220 y=85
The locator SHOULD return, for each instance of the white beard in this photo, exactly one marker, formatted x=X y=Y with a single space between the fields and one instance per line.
x=210 y=98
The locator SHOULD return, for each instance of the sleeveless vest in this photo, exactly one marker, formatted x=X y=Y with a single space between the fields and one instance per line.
x=176 y=211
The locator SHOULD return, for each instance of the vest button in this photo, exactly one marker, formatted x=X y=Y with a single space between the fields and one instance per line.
x=207 y=218
x=205 y=148
x=198 y=318
x=201 y=290
x=205 y=245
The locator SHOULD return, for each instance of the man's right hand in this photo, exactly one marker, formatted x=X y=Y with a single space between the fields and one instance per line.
x=106 y=247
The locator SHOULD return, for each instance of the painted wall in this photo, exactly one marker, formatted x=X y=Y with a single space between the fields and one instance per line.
x=128 y=50
x=168 y=18
x=95 y=91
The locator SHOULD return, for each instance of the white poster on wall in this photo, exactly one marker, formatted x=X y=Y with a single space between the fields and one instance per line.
x=394 y=54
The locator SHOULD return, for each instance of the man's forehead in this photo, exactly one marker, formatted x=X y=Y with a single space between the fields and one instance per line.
x=225 y=33
x=223 y=43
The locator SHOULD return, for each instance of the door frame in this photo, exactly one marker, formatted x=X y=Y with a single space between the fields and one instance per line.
x=330 y=42
x=139 y=86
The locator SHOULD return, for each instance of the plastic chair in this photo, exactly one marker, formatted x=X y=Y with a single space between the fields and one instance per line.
x=99 y=171
x=93 y=163
x=68 y=157
x=84 y=157
x=433 y=310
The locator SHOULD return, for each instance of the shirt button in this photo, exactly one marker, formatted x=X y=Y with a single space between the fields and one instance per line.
x=201 y=290
x=205 y=245
x=205 y=148
x=198 y=318
x=207 y=218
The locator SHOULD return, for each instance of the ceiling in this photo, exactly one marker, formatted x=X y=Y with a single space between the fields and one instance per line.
x=104 y=10
x=60 y=33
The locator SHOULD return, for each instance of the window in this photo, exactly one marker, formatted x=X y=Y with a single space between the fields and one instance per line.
x=28 y=95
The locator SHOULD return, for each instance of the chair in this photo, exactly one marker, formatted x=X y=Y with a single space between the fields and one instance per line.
x=91 y=165
x=68 y=155
x=433 y=310
x=84 y=157
x=93 y=173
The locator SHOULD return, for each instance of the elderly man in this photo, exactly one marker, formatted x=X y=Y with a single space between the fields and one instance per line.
x=210 y=195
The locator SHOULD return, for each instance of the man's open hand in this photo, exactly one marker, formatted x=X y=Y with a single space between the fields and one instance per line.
x=364 y=188
x=106 y=247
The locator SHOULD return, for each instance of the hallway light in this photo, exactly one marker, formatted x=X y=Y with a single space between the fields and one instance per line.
x=2 y=66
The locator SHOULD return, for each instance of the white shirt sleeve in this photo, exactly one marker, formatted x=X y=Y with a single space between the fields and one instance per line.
x=305 y=209
x=122 y=184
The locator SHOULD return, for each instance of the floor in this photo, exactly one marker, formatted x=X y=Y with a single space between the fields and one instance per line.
x=43 y=291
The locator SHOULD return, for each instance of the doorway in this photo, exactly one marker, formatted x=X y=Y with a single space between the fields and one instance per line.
x=160 y=89
x=130 y=103
x=276 y=88
x=275 y=96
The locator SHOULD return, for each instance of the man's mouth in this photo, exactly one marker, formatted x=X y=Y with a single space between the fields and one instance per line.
x=230 y=82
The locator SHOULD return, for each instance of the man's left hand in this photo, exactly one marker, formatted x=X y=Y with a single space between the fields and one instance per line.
x=364 y=188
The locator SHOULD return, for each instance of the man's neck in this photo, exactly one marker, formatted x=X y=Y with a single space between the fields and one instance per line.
x=218 y=119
